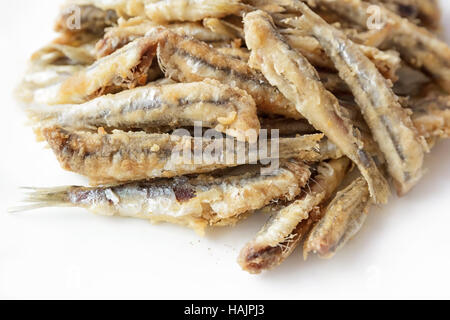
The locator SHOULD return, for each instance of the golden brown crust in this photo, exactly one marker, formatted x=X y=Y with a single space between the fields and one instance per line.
x=416 y=45
x=126 y=68
x=342 y=219
x=187 y=60
x=210 y=103
x=279 y=236
x=390 y=124
x=130 y=156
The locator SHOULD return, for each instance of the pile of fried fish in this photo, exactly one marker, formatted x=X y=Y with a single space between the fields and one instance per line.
x=358 y=91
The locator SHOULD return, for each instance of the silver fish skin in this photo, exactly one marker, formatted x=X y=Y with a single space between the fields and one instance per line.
x=387 y=62
x=346 y=214
x=210 y=103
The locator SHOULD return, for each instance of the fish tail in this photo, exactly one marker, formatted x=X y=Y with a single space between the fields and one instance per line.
x=38 y=113
x=43 y=198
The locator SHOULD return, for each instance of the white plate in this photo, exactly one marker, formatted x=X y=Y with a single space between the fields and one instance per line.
x=402 y=252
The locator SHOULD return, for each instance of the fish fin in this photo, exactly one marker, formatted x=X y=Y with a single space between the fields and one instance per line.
x=43 y=198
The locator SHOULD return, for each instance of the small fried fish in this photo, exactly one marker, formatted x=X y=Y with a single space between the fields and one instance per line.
x=209 y=103
x=343 y=218
x=125 y=68
x=266 y=251
x=299 y=81
x=130 y=156
x=196 y=202
x=187 y=60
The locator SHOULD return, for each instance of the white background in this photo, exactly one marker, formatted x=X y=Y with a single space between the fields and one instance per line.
x=402 y=251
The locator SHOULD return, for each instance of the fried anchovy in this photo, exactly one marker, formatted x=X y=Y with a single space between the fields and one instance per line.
x=163 y=11
x=345 y=216
x=128 y=156
x=387 y=62
x=390 y=124
x=126 y=68
x=187 y=60
x=85 y=19
x=195 y=202
x=273 y=243
x=342 y=219
x=211 y=103
x=416 y=45
x=50 y=65
x=430 y=116
x=116 y=38
x=299 y=81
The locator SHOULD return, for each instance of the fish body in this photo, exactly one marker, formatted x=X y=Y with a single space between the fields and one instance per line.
x=130 y=30
x=416 y=45
x=261 y=253
x=163 y=11
x=390 y=124
x=210 y=103
x=299 y=81
x=387 y=62
x=129 y=156
x=125 y=68
x=342 y=219
x=196 y=202
x=187 y=60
